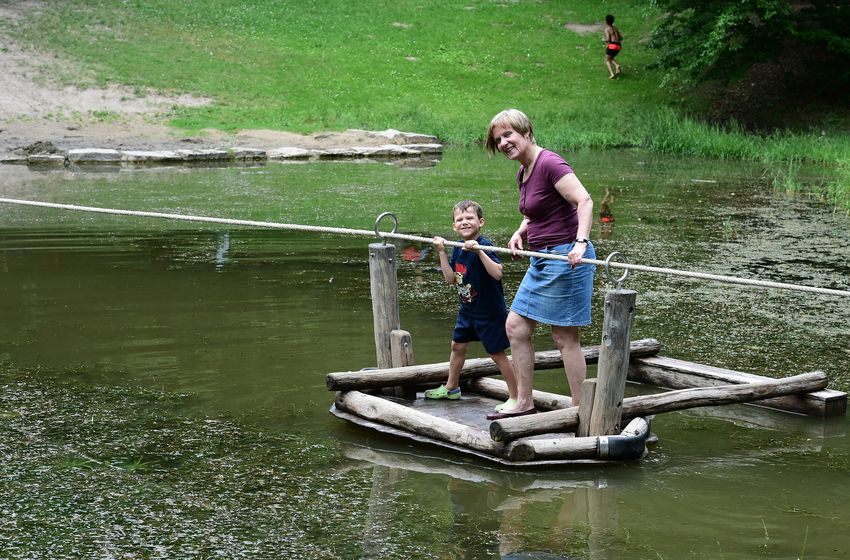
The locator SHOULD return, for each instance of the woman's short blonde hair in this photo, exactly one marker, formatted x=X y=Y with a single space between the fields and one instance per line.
x=513 y=118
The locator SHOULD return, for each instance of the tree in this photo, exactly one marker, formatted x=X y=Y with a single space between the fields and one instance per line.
x=750 y=57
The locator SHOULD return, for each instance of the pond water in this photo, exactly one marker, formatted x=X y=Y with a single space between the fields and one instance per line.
x=163 y=383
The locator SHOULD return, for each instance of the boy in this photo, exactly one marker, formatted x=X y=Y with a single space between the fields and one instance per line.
x=482 y=311
x=613 y=44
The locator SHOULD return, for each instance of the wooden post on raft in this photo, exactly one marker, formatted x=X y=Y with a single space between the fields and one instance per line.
x=393 y=346
x=401 y=348
x=585 y=407
x=613 y=365
x=384 y=286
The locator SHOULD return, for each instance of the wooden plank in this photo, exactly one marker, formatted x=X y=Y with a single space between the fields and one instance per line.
x=477 y=367
x=566 y=420
x=671 y=373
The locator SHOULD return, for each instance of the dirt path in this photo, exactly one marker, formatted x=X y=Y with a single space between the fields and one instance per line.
x=34 y=106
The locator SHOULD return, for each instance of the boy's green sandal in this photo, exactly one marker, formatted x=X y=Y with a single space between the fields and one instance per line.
x=510 y=403
x=442 y=393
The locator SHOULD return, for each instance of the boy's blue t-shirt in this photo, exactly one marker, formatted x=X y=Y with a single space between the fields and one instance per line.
x=480 y=294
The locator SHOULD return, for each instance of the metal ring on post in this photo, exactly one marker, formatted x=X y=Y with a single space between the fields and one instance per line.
x=619 y=280
x=378 y=221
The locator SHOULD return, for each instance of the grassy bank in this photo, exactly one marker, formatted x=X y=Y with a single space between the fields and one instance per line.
x=429 y=66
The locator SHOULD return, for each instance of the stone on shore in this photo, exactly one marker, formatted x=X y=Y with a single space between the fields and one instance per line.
x=399 y=137
x=288 y=152
x=400 y=145
x=93 y=155
x=203 y=155
x=153 y=156
x=248 y=153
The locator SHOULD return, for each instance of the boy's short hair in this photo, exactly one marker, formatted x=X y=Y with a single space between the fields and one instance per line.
x=513 y=118
x=464 y=204
x=609 y=19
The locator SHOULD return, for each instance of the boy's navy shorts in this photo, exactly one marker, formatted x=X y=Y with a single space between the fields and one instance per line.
x=489 y=330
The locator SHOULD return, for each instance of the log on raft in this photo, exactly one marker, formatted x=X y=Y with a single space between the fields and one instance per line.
x=630 y=447
x=671 y=373
x=478 y=367
x=394 y=414
x=566 y=420
x=498 y=389
x=627 y=447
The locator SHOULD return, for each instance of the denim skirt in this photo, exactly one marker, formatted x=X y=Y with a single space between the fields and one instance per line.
x=555 y=294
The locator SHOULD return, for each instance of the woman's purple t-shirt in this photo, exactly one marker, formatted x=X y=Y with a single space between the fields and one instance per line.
x=552 y=220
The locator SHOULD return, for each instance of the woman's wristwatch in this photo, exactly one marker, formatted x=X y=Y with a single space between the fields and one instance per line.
x=585 y=240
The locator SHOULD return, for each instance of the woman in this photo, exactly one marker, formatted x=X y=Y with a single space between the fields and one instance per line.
x=557 y=215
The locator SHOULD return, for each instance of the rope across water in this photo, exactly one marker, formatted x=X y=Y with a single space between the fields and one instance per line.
x=408 y=237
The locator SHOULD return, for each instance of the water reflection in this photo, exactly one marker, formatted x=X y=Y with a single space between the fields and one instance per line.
x=495 y=513
x=606 y=216
x=223 y=239
x=248 y=322
x=415 y=252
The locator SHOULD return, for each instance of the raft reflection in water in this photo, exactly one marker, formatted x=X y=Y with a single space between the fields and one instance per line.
x=495 y=513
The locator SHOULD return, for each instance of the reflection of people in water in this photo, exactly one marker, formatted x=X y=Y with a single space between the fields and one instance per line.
x=490 y=521
x=606 y=217
x=223 y=239
x=475 y=524
x=415 y=254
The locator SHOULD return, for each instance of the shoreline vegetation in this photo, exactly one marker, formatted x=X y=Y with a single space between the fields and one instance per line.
x=426 y=66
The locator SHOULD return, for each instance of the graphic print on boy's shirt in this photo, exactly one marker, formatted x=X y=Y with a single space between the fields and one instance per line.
x=466 y=292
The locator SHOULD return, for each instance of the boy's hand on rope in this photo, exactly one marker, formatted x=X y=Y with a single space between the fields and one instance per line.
x=471 y=245
x=440 y=244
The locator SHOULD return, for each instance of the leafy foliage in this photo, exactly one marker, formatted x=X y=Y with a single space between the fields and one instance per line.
x=751 y=57
x=698 y=40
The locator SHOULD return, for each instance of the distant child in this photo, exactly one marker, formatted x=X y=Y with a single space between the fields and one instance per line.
x=482 y=312
x=613 y=44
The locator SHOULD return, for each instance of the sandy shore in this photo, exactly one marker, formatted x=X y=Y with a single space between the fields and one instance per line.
x=35 y=107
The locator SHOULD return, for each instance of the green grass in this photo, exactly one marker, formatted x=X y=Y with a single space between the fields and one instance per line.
x=434 y=66
x=431 y=66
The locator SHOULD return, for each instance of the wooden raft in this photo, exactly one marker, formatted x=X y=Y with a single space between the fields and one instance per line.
x=547 y=438
x=462 y=425
x=387 y=399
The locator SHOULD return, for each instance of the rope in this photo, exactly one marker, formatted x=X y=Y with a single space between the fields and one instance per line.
x=408 y=237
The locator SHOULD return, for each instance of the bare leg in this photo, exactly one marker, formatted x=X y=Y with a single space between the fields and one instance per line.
x=507 y=370
x=519 y=330
x=456 y=361
x=567 y=341
x=608 y=62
